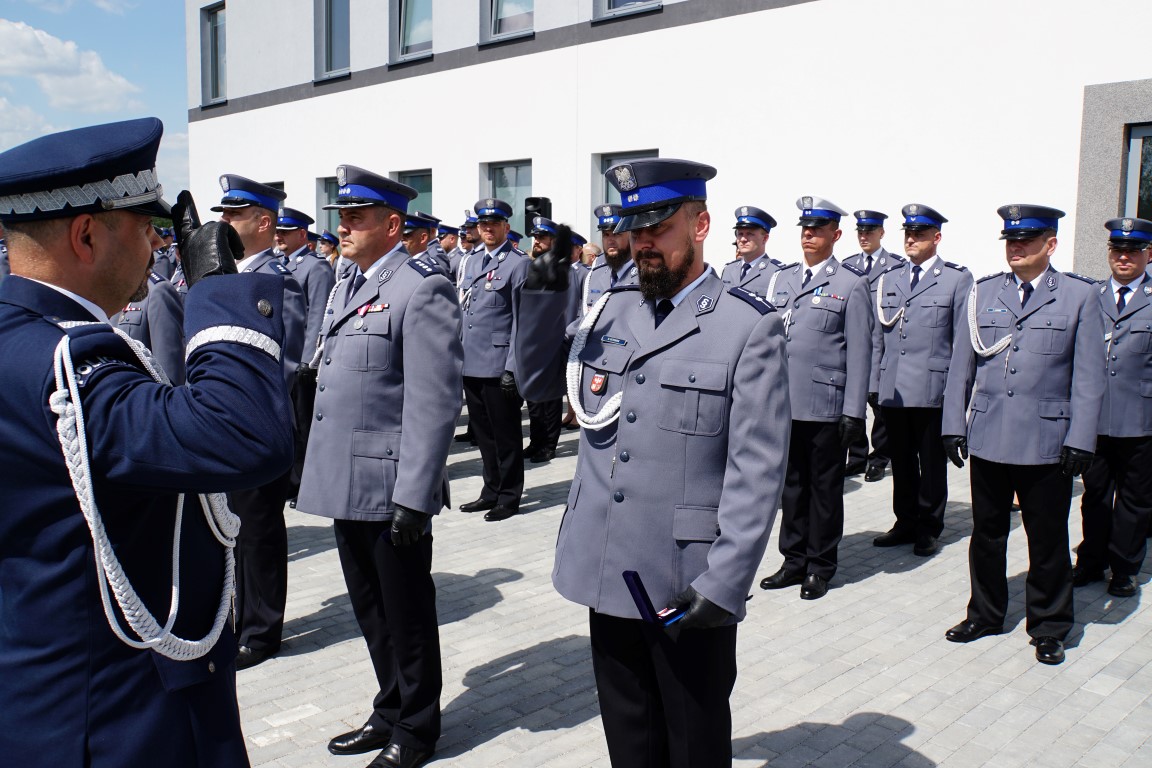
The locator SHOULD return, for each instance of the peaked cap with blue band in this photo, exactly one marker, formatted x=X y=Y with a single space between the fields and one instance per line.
x=816 y=212
x=420 y=220
x=1024 y=222
x=313 y=237
x=748 y=216
x=86 y=170
x=919 y=216
x=470 y=220
x=515 y=237
x=359 y=188
x=328 y=237
x=542 y=225
x=867 y=220
x=607 y=216
x=492 y=209
x=579 y=240
x=1129 y=234
x=240 y=192
x=290 y=218
x=652 y=190
x=446 y=229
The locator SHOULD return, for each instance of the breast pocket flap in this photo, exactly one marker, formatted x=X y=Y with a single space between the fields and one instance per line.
x=610 y=358
x=979 y=403
x=694 y=374
x=1053 y=322
x=695 y=524
x=1055 y=409
x=833 y=376
x=376 y=445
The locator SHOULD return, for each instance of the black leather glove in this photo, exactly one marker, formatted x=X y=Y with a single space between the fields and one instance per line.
x=850 y=429
x=700 y=612
x=407 y=526
x=956 y=447
x=1074 y=461
x=208 y=249
x=549 y=270
x=874 y=399
x=508 y=385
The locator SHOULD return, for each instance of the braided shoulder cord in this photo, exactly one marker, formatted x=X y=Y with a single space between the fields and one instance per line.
x=315 y=362
x=574 y=373
x=880 y=310
x=974 y=331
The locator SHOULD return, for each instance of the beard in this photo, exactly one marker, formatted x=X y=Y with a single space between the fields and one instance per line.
x=141 y=291
x=659 y=282
x=623 y=255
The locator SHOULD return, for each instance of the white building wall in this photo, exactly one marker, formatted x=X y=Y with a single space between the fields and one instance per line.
x=964 y=105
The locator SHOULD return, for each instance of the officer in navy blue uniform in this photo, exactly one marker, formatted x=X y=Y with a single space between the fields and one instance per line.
x=5 y=270
x=81 y=690
x=753 y=268
x=310 y=271
x=448 y=236
x=262 y=547
x=579 y=273
x=326 y=247
x=157 y=322
x=1116 y=508
x=1024 y=397
x=873 y=260
x=491 y=277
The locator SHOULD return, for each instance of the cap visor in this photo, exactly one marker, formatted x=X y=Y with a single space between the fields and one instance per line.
x=338 y=206
x=1128 y=245
x=157 y=208
x=1021 y=234
x=492 y=218
x=813 y=221
x=629 y=222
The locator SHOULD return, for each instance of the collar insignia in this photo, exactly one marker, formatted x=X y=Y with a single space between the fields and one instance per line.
x=1051 y=281
x=829 y=269
x=703 y=303
x=936 y=271
x=387 y=273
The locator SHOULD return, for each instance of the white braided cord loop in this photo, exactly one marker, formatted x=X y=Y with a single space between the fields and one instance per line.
x=785 y=318
x=72 y=433
x=584 y=293
x=574 y=372
x=880 y=310
x=974 y=331
x=236 y=334
x=315 y=362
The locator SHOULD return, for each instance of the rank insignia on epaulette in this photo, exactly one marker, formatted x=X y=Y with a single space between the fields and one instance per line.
x=596 y=386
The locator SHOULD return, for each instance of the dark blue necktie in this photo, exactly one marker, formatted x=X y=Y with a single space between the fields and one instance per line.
x=1123 y=300
x=358 y=281
x=1027 y=288
x=663 y=309
x=807 y=278
x=915 y=278
x=868 y=267
x=744 y=270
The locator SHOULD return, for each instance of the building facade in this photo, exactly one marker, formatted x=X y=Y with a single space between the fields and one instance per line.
x=964 y=105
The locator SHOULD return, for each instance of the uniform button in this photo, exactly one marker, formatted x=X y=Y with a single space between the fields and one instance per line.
x=907 y=303
x=211 y=667
x=1012 y=371
x=618 y=496
x=359 y=323
x=264 y=307
x=469 y=325
x=639 y=378
x=692 y=378
x=1010 y=393
x=387 y=451
x=319 y=417
x=624 y=456
x=717 y=530
x=1113 y=358
x=901 y=351
x=604 y=361
x=320 y=387
x=327 y=361
x=1049 y=322
x=631 y=416
x=1019 y=327
x=1015 y=349
x=1112 y=373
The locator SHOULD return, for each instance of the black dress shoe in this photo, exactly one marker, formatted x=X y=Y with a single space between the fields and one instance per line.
x=500 y=512
x=875 y=473
x=249 y=657
x=781 y=579
x=1082 y=577
x=926 y=546
x=1049 y=650
x=814 y=587
x=967 y=631
x=464 y=438
x=477 y=506
x=1123 y=586
x=400 y=756
x=855 y=468
x=893 y=538
x=531 y=451
x=543 y=455
x=366 y=738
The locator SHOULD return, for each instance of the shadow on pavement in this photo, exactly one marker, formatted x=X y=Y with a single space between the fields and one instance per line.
x=865 y=738
x=459 y=595
x=308 y=540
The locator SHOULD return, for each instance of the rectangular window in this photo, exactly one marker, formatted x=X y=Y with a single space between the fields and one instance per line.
x=421 y=181
x=335 y=22
x=508 y=18
x=608 y=192
x=606 y=9
x=415 y=25
x=1138 y=201
x=511 y=182
x=326 y=192
x=213 y=55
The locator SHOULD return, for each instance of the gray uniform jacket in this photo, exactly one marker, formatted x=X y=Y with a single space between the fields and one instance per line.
x=882 y=261
x=1043 y=391
x=388 y=394
x=577 y=274
x=434 y=256
x=828 y=327
x=157 y=322
x=316 y=279
x=295 y=311
x=455 y=256
x=757 y=278
x=599 y=279
x=684 y=486
x=1127 y=407
x=164 y=262
x=487 y=308
x=911 y=355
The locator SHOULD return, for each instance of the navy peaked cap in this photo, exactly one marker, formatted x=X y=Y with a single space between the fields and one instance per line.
x=920 y=216
x=543 y=225
x=313 y=237
x=748 y=216
x=446 y=229
x=359 y=188
x=515 y=236
x=241 y=192
x=86 y=170
x=290 y=218
x=420 y=220
x=1129 y=234
x=1024 y=222
x=578 y=239
x=469 y=220
x=492 y=209
x=607 y=216
x=328 y=237
x=652 y=190
x=866 y=219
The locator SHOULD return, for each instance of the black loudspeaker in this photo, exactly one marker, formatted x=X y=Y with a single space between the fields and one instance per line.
x=533 y=207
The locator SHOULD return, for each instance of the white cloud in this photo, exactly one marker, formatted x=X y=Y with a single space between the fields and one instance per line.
x=70 y=78
x=20 y=124
x=172 y=163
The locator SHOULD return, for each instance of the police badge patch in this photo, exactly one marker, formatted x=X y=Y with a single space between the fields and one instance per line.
x=1126 y=225
x=596 y=386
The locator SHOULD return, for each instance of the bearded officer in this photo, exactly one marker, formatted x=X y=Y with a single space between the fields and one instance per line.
x=682 y=393
x=614 y=266
x=752 y=269
x=1031 y=383
x=94 y=672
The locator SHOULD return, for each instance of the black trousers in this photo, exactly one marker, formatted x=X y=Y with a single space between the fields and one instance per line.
x=1117 y=506
x=812 y=519
x=394 y=599
x=858 y=450
x=261 y=564
x=664 y=692
x=544 y=423
x=1045 y=494
x=919 y=469
x=495 y=420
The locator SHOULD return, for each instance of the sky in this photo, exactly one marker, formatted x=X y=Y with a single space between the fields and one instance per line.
x=71 y=63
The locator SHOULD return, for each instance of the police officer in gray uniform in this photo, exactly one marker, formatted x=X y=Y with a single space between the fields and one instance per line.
x=310 y=270
x=827 y=322
x=388 y=389
x=157 y=322
x=491 y=277
x=1033 y=370
x=873 y=260
x=753 y=269
x=465 y=245
x=612 y=267
x=676 y=376
x=919 y=315
x=420 y=240
x=1117 y=504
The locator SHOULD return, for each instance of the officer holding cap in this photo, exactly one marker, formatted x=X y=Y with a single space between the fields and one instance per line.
x=1117 y=504
x=309 y=270
x=1024 y=397
x=827 y=323
x=96 y=670
x=673 y=377
x=612 y=267
x=753 y=269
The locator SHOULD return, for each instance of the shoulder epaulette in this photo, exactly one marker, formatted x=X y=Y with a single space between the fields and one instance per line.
x=279 y=268
x=732 y=262
x=618 y=288
x=897 y=257
x=762 y=305
x=957 y=267
x=788 y=266
x=989 y=277
x=852 y=268
x=424 y=268
x=1084 y=278
x=155 y=278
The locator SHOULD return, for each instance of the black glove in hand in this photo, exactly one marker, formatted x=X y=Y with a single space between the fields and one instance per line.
x=549 y=271
x=508 y=385
x=1074 y=461
x=208 y=249
x=407 y=526
x=956 y=448
x=700 y=612
x=874 y=399
x=850 y=429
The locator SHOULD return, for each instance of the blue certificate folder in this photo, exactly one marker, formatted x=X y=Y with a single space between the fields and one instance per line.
x=644 y=603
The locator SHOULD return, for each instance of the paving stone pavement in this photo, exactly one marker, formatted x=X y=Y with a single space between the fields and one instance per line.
x=862 y=677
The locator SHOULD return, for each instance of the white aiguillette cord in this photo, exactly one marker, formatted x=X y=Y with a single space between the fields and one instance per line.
x=974 y=332
x=70 y=428
x=575 y=373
